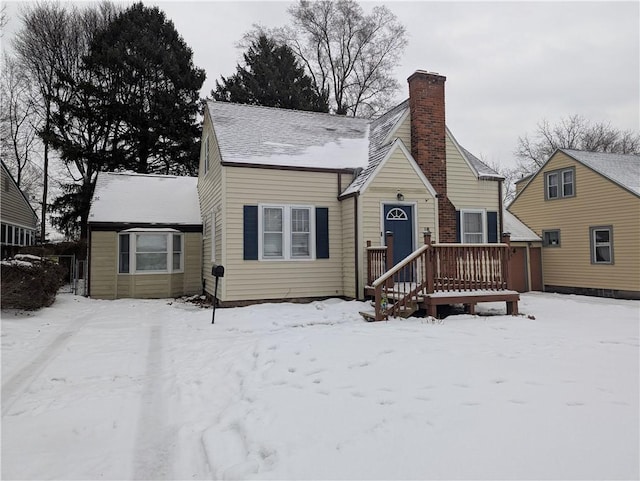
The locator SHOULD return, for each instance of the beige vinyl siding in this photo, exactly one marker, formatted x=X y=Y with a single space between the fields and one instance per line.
x=598 y=202
x=106 y=283
x=403 y=132
x=348 y=247
x=15 y=209
x=396 y=174
x=275 y=279
x=464 y=189
x=104 y=265
x=210 y=192
x=192 y=277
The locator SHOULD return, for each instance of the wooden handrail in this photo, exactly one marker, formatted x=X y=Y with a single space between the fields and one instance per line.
x=400 y=265
x=441 y=267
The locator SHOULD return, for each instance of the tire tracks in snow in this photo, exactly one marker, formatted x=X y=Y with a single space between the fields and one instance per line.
x=153 y=448
x=19 y=383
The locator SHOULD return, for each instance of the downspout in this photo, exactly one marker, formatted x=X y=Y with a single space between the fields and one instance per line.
x=355 y=237
x=500 y=204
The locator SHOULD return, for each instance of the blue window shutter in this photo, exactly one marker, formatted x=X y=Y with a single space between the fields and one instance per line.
x=492 y=227
x=322 y=232
x=250 y=221
x=458 y=226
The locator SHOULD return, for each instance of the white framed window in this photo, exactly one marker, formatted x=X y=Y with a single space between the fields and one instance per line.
x=286 y=232
x=472 y=226
x=150 y=252
x=559 y=184
x=601 y=239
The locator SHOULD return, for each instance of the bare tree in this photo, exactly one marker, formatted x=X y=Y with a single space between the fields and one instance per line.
x=349 y=55
x=18 y=124
x=574 y=132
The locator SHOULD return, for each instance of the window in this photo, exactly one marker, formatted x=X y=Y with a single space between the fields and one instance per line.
x=123 y=256
x=150 y=252
x=286 y=232
x=601 y=244
x=567 y=183
x=272 y=237
x=472 y=226
x=560 y=183
x=177 y=252
x=3 y=233
x=300 y=230
x=551 y=238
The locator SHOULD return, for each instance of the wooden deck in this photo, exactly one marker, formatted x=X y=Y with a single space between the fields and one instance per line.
x=439 y=274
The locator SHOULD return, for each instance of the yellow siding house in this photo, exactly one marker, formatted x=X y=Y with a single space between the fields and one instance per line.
x=290 y=199
x=586 y=208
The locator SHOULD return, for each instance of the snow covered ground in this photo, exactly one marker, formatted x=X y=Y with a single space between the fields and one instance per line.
x=134 y=389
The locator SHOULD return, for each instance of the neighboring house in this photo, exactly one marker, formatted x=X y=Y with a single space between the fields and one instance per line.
x=586 y=208
x=290 y=199
x=18 y=219
x=145 y=237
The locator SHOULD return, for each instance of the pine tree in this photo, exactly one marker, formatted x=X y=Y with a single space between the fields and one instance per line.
x=145 y=70
x=270 y=77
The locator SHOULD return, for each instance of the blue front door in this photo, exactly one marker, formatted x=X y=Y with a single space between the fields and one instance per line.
x=398 y=219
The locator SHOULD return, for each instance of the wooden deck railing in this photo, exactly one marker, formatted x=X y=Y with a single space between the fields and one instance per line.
x=434 y=268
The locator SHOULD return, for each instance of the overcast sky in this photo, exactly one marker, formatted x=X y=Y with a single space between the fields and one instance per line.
x=508 y=64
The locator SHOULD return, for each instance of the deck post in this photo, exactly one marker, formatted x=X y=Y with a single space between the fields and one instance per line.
x=428 y=260
x=506 y=239
x=389 y=259
x=426 y=233
x=369 y=263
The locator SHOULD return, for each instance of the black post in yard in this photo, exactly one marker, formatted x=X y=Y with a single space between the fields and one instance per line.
x=218 y=272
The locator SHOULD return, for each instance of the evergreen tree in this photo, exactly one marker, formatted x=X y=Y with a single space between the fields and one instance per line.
x=131 y=104
x=271 y=77
x=149 y=87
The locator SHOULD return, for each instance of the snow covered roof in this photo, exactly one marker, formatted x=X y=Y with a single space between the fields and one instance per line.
x=254 y=134
x=623 y=169
x=145 y=199
x=251 y=134
x=518 y=229
x=482 y=169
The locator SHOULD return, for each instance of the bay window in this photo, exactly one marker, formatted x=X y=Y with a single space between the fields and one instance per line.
x=150 y=252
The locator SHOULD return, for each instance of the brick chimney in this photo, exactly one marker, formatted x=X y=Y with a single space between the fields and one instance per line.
x=428 y=142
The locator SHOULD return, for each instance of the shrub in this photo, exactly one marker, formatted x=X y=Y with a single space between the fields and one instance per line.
x=30 y=282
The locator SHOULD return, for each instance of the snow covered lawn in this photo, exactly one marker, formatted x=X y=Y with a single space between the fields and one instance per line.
x=150 y=389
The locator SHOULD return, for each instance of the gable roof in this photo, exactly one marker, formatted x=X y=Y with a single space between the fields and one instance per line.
x=623 y=169
x=251 y=134
x=145 y=199
x=268 y=136
x=519 y=231
x=376 y=163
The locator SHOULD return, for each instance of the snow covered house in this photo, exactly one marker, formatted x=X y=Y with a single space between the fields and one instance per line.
x=585 y=206
x=18 y=220
x=296 y=205
x=145 y=237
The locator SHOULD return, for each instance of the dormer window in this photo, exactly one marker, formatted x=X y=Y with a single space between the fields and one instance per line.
x=559 y=183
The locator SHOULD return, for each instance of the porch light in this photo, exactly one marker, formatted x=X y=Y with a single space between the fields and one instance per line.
x=399 y=196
